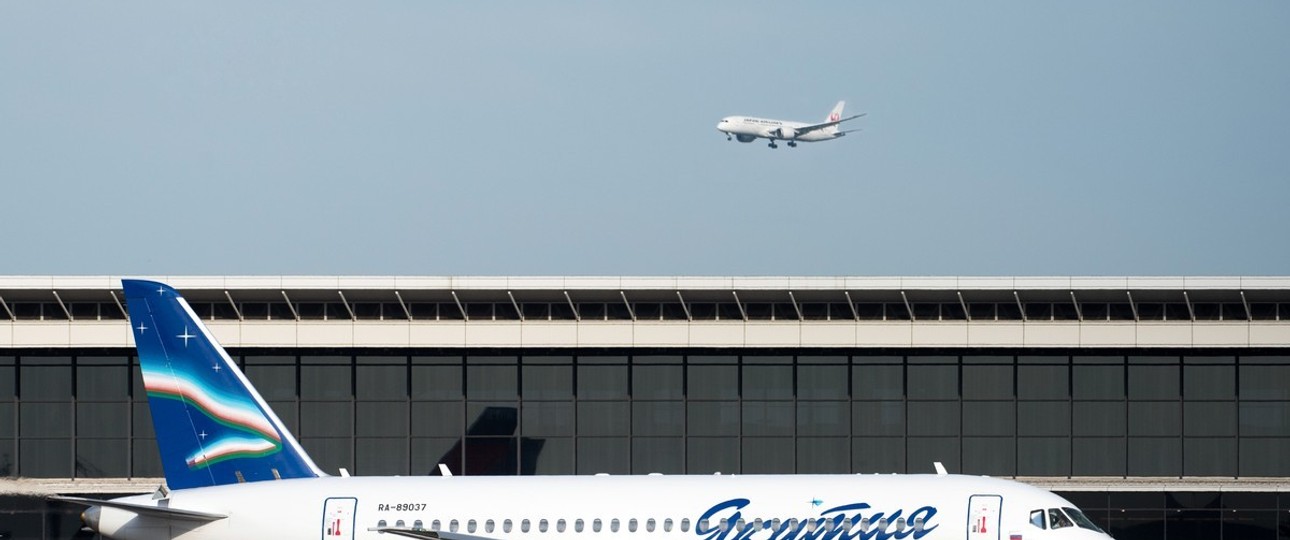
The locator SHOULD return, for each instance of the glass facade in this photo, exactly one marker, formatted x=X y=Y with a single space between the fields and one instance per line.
x=1189 y=413
x=1034 y=413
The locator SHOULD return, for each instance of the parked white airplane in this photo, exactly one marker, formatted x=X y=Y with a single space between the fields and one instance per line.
x=234 y=471
x=748 y=129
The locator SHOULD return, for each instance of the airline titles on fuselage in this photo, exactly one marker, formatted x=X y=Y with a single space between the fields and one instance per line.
x=718 y=523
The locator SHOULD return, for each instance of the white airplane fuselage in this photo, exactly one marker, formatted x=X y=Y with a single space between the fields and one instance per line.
x=734 y=507
x=748 y=129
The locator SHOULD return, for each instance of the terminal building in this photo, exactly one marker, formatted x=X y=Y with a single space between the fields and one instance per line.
x=1160 y=405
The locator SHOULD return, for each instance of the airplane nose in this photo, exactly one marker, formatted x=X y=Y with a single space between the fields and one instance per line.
x=90 y=517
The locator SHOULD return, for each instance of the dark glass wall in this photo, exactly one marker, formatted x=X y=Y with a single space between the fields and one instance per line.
x=1137 y=515
x=1129 y=413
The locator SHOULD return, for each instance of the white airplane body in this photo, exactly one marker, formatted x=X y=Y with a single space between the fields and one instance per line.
x=235 y=472
x=747 y=129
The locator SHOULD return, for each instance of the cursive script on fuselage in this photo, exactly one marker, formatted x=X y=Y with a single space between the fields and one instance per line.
x=725 y=521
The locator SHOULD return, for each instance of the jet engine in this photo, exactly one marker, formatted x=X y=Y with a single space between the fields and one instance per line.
x=746 y=138
x=786 y=133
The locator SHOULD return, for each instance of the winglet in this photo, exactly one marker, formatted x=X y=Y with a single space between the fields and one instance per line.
x=940 y=468
x=212 y=427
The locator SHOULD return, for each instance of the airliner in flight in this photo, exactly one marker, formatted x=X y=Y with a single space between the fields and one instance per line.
x=233 y=470
x=747 y=129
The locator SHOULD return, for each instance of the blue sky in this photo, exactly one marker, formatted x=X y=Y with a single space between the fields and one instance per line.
x=522 y=138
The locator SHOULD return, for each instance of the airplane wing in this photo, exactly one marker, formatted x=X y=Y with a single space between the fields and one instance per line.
x=427 y=534
x=160 y=512
x=822 y=125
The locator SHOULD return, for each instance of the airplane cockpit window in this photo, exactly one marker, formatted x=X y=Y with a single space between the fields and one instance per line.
x=1058 y=520
x=1037 y=518
x=1081 y=520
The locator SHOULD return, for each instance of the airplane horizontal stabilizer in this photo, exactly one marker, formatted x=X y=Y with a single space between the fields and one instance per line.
x=160 y=512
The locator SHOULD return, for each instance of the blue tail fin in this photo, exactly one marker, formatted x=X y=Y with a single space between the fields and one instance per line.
x=212 y=427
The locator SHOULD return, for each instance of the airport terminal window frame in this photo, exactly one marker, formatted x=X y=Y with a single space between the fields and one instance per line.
x=1008 y=412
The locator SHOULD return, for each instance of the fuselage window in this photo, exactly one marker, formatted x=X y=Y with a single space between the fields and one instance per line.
x=882 y=524
x=506 y=525
x=1058 y=520
x=918 y=525
x=380 y=523
x=595 y=525
x=739 y=525
x=470 y=526
x=631 y=525
x=811 y=524
x=702 y=525
x=1037 y=518
x=542 y=524
x=399 y=524
x=724 y=524
x=435 y=525
x=613 y=525
x=418 y=525
x=452 y=526
x=524 y=525
x=667 y=525
x=774 y=524
x=900 y=524
x=685 y=524
x=864 y=525
x=488 y=526
x=577 y=525
x=649 y=525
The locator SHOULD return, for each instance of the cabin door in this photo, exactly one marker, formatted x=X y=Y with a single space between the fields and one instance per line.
x=983 y=517
x=338 y=518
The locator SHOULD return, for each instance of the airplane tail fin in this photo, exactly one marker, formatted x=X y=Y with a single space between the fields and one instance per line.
x=836 y=114
x=212 y=427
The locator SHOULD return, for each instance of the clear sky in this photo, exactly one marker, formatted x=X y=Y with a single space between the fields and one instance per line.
x=575 y=138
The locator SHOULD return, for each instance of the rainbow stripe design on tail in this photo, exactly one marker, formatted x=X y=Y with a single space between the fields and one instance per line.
x=212 y=427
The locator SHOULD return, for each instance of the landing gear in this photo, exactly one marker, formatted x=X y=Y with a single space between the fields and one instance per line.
x=773 y=145
x=792 y=144
x=728 y=137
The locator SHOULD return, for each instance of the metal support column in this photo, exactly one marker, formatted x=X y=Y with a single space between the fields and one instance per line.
x=291 y=306
x=66 y=311
x=403 y=305
x=516 y=305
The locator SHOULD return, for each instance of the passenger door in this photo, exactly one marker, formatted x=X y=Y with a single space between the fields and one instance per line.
x=338 y=518
x=983 y=517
